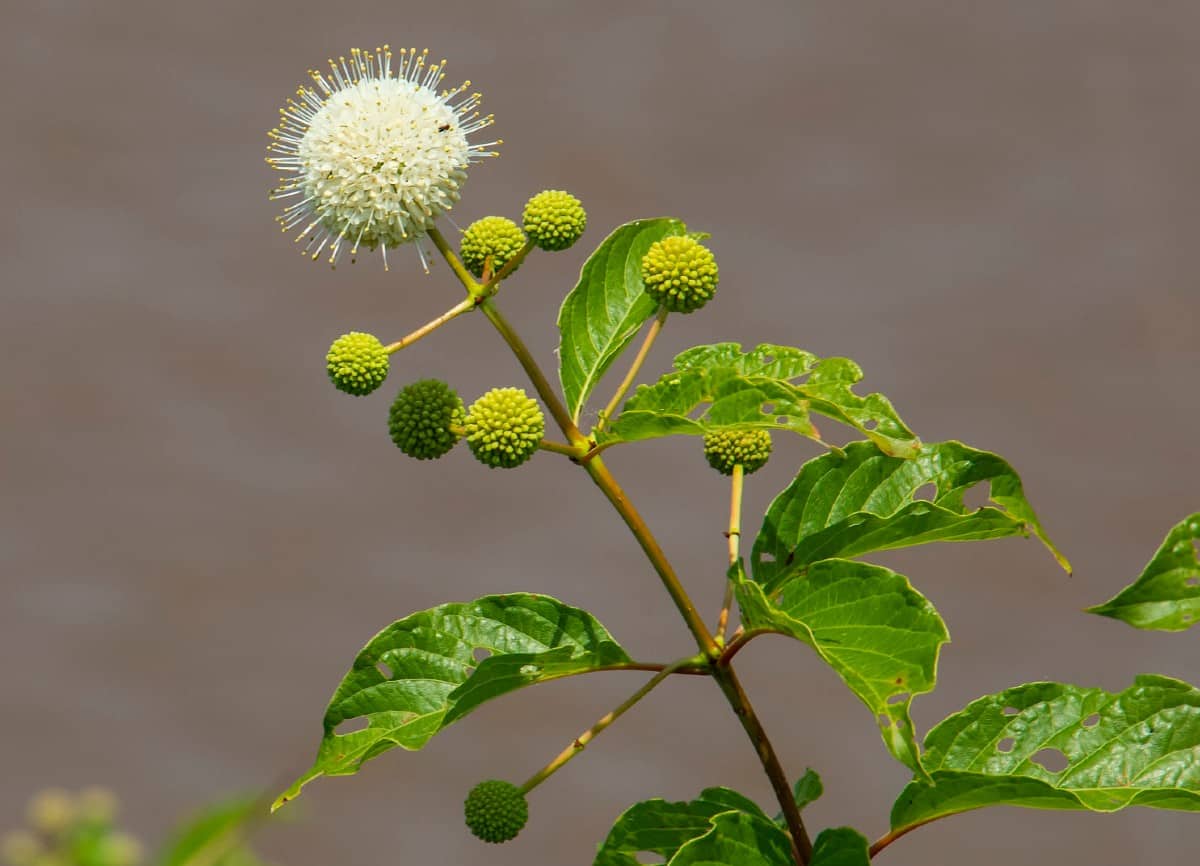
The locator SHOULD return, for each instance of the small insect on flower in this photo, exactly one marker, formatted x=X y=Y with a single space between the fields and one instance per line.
x=375 y=153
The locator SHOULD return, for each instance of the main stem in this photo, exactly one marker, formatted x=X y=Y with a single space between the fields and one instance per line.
x=724 y=675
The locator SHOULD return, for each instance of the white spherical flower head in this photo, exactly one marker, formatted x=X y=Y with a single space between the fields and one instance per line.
x=374 y=151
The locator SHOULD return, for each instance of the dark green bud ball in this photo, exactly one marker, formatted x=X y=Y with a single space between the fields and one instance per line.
x=554 y=219
x=504 y=427
x=498 y=237
x=680 y=273
x=357 y=363
x=725 y=449
x=421 y=417
x=496 y=810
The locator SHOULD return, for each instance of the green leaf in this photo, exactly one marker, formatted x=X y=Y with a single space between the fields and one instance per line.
x=841 y=846
x=737 y=839
x=421 y=673
x=719 y=386
x=861 y=501
x=1166 y=596
x=808 y=788
x=663 y=827
x=880 y=635
x=602 y=314
x=215 y=836
x=1135 y=748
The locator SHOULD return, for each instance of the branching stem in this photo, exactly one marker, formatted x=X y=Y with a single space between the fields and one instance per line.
x=651 y=335
x=579 y=743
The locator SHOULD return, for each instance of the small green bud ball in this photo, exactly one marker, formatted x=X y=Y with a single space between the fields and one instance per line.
x=52 y=811
x=421 y=417
x=680 y=273
x=498 y=237
x=357 y=363
x=504 y=427
x=496 y=810
x=725 y=449
x=554 y=219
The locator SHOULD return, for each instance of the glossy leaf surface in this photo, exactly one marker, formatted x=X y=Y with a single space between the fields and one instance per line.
x=737 y=839
x=880 y=635
x=661 y=827
x=422 y=672
x=602 y=314
x=774 y=387
x=1166 y=596
x=1056 y=746
x=863 y=500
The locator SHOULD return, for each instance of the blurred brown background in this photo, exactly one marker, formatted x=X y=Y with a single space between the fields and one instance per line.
x=991 y=206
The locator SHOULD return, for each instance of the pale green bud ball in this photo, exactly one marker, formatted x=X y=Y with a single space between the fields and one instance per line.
x=421 y=417
x=504 y=427
x=725 y=449
x=357 y=363
x=554 y=219
x=498 y=237
x=496 y=810
x=680 y=274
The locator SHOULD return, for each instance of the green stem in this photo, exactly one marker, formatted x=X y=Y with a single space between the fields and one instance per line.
x=579 y=743
x=464 y=276
x=734 y=535
x=655 y=329
x=458 y=309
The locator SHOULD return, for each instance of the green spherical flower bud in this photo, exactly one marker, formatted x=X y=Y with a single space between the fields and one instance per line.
x=504 y=427
x=421 y=417
x=725 y=449
x=52 y=811
x=498 y=237
x=20 y=848
x=357 y=363
x=496 y=810
x=680 y=273
x=554 y=219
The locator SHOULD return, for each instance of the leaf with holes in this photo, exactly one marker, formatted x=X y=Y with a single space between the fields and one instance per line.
x=840 y=846
x=861 y=501
x=1166 y=596
x=737 y=839
x=661 y=827
x=602 y=314
x=808 y=789
x=772 y=387
x=880 y=635
x=421 y=673
x=1056 y=746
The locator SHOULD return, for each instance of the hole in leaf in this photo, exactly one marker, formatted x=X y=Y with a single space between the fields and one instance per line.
x=1091 y=721
x=977 y=496
x=1192 y=581
x=768 y=557
x=926 y=492
x=647 y=858
x=1051 y=760
x=768 y=359
x=481 y=653
x=468 y=671
x=350 y=726
x=870 y=424
x=885 y=722
x=1010 y=711
x=768 y=408
x=897 y=699
x=782 y=419
x=384 y=670
x=1186 y=616
x=1006 y=745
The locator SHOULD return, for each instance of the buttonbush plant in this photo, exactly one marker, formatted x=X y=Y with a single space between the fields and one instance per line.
x=374 y=154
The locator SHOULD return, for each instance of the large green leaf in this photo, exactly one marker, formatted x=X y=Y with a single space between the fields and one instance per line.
x=602 y=314
x=863 y=500
x=1136 y=748
x=774 y=387
x=869 y=624
x=421 y=673
x=840 y=846
x=662 y=827
x=1166 y=596
x=737 y=839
